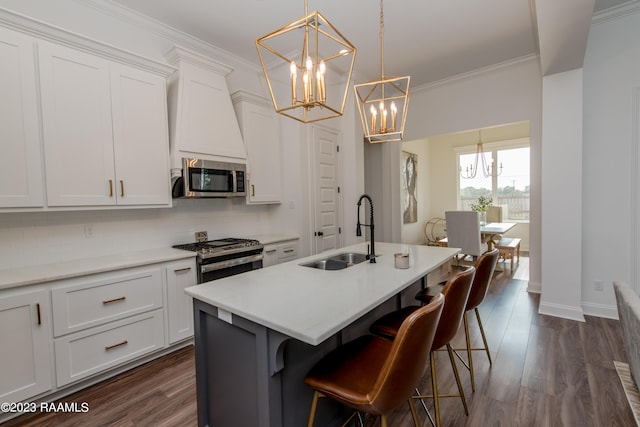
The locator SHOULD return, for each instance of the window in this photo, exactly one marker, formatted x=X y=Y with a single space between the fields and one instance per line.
x=510 y=187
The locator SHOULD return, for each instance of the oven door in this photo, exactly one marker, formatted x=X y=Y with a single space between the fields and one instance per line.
x=230 y=267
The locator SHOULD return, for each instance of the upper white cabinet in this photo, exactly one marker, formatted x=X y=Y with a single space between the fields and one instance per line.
x=105 y=131
x=21 y=181
x=261 y=132
x=25 y=358
x=201 y=118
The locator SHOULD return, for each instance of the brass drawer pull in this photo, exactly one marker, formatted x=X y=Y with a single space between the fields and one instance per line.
x=181 y=270
x=110 y=347
x=121 y=188
x=110 y=188
x=270 y=251
x=286 y=251
x=253 y=190
x=109 y=301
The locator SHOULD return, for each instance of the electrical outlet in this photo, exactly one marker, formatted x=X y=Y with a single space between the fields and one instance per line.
x=88 y=231
x=598 y=285
x=201 y=236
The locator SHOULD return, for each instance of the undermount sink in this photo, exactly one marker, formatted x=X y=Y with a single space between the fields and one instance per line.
x=337 y=262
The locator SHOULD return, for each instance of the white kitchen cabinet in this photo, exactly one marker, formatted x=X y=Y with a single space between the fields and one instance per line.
x=25 y=354
x=277 y=253
x=140 y=136
x=180 y=275
x=94 y=350
x=260 y=129
x=106 y=319
x=105 y=131
x=21 y=172
x=94 y=300
x=202 y=121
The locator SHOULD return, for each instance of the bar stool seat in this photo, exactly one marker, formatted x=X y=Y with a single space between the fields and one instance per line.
x=375 y=375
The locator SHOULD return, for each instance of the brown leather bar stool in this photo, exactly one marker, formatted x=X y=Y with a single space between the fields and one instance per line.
x=485 y=266
x=374 y=375
x=455 y=292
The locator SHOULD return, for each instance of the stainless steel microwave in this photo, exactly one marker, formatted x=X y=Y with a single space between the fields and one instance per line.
x=206 y=178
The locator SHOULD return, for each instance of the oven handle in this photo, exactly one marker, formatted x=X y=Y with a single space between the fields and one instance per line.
x=230 y=263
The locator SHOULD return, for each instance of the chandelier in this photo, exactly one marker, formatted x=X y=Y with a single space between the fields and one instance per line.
x=383 y=103
x=488 y=170
x=308 y=65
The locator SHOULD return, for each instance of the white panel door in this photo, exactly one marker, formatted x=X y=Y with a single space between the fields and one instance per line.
x=140 y=136
x=76 y=116
x=326 y=189
x=21 y=159
x=25 y=355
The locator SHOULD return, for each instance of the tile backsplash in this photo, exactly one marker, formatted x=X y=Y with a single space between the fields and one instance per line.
x=49 y=237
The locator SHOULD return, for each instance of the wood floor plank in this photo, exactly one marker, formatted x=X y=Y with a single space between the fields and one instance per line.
x=546 y=372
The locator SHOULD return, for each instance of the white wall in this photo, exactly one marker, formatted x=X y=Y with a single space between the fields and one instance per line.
x=562 y=195
x=53 y=236
x=610 y=159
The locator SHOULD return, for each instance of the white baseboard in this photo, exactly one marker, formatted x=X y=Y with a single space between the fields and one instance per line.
x=563 y=311
x=600 y=310
x=534 y=287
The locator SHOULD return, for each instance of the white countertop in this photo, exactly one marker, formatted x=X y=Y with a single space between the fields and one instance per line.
x=267 y=239
x=33 y=274
x=311 y=304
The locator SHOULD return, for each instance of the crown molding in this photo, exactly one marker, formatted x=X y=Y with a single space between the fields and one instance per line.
x=48 y=32
x=616 y=12
x=181 y=38
x=475 y=73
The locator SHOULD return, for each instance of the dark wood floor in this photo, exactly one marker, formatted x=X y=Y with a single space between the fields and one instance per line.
x=546 y=372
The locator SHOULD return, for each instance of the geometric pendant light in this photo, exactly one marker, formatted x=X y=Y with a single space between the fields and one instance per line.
x=383 y=103
x=308 y=65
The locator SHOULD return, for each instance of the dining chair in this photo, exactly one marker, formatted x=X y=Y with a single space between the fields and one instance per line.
x=375 y=375
x=485 y=267
x=456 y=293
x=463 y=231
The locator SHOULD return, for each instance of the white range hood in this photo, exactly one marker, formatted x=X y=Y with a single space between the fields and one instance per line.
x=202 y=121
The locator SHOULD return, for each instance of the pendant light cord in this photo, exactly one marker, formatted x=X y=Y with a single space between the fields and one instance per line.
x=382 y=39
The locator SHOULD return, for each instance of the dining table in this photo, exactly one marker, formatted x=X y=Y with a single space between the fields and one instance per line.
x=489 y=231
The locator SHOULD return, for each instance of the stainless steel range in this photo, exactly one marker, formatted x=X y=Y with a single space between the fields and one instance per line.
x=225 y=257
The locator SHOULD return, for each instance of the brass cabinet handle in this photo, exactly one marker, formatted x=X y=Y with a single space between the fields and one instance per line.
x=181 y=270
x=286 y=251
x=270 y=251
x=109 y=301
x=110 y=188
x=38 y=311
x=253 y=190
x=112 y=346
x=121 y=188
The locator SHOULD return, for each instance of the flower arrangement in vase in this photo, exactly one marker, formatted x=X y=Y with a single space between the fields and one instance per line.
x=481 y=206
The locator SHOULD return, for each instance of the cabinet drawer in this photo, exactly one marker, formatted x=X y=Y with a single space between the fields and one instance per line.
x=88 y=352
x=287 y=251
x=89 y=302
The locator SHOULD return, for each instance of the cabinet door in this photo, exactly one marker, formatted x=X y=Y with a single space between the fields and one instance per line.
x=25 y=355
x=180 y=275
x=270 y=255
x=140 y=136
x=21 y=159
x=206 y=122
x=261 y=136
x=76 y=116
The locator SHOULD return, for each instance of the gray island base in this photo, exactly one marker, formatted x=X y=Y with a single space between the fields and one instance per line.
x=258 y=334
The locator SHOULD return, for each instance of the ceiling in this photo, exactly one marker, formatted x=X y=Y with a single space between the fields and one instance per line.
x=428 y=40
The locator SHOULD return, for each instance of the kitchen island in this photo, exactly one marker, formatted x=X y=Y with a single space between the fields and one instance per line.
x=257 y=334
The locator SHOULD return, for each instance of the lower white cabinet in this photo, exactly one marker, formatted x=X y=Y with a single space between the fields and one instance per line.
x=94 y=350
x=25 y=352
x=278 y=253
x=90 y=301
x=180 y=275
